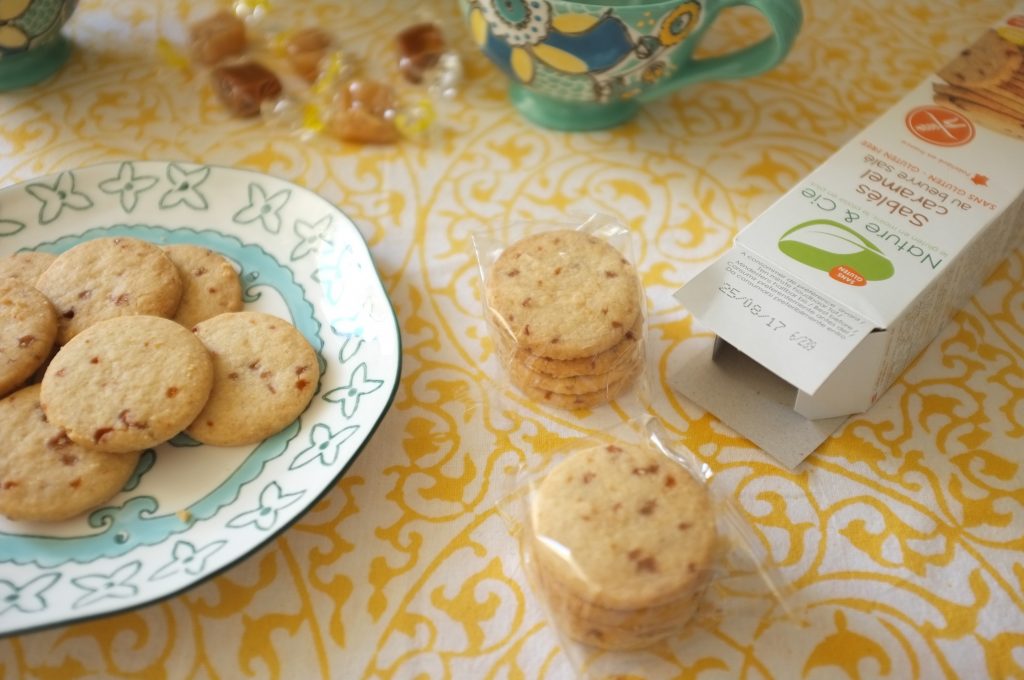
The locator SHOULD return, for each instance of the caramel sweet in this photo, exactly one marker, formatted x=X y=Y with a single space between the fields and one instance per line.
x=217 y=37
x=243 y=87
x=306 y=50
x=363 y=114
x=370 y=96
x=419 y=46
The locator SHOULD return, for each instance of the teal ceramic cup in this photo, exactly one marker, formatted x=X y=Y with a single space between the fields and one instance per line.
x=31 y=45
x=588 y=65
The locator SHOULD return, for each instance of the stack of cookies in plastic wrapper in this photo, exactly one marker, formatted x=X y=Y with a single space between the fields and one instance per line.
x=566 y=312
x=625 y=536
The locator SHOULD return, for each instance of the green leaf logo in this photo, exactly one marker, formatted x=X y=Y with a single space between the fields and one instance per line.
x=825 y=245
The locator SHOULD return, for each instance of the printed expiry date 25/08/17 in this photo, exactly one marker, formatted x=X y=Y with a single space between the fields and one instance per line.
x=801 y=340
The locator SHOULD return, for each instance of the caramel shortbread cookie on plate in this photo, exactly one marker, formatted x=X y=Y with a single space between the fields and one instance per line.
x=127 y=383
x=110 y=277
x=26 y=266
x=28 y=328
x=210 y=283
x=46 y=477
x=563 y=294
x=265 y=375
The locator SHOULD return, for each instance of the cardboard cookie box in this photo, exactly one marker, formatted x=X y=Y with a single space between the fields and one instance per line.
x=826 y=297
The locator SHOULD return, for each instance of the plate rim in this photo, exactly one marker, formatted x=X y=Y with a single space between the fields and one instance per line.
x=329 y=486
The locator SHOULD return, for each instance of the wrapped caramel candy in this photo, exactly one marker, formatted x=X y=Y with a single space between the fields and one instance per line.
x=365 y=113
x=358 y=126
x=419 y=46
x=369 y=95
x=217 y=37
x=306 y=50
x=244 y=87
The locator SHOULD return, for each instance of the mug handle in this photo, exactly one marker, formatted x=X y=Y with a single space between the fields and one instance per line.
x=784 y=17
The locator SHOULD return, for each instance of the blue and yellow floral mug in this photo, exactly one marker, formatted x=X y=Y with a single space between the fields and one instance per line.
x=588 y=65
x=31 y=45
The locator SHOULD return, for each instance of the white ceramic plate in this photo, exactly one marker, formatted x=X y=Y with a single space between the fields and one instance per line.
x=190 y=510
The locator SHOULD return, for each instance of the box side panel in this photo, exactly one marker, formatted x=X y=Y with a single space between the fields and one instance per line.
x=751 y=400
x=937 y=304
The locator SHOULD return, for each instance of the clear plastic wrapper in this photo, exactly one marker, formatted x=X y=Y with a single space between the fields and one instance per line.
x=565 y=309
x=217 y=37
x=265 y=59
x=244 y=87
x=623 y=539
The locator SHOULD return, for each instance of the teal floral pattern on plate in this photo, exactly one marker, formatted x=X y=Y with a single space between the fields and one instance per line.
x=181 y=518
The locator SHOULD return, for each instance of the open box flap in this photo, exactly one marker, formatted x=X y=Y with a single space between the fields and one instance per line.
x=785 y=325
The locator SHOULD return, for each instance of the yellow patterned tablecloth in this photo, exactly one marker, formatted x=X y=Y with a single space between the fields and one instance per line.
x=902 y=536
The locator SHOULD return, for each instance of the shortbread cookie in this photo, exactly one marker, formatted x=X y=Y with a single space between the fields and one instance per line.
x=25 y=266
x=575 y=401
x=992 y=98
x=265 y=375
x=563 y=294
x=28 y=327
x=670 y=614
x=616 y=629
x=110 y=277
x=127 y=383
x=210 y=283
x=44 y=476
x=1014 y=86
x=986 y=63
x=625 y=637
x=633 y=529
x=622 y=542
x=521 y=374
x=622 y=353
